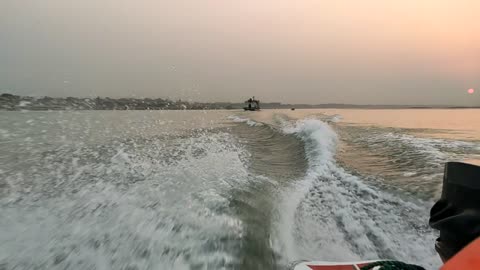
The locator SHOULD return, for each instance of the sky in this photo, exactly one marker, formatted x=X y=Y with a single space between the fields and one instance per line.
x=298 y=51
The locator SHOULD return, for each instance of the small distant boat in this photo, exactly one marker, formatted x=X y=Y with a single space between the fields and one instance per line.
x=252 y=104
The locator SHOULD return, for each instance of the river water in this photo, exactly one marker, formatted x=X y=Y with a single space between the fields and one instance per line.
x=223 y=189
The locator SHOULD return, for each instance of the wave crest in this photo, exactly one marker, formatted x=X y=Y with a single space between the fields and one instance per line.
x=331 y=214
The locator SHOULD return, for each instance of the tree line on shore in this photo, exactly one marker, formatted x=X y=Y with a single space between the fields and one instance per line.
x=9 y=102
x=14 y=103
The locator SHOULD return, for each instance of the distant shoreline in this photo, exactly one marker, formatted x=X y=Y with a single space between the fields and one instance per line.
x=9 y=102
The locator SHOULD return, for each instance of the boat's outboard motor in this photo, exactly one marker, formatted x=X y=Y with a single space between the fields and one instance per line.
x=457 y=214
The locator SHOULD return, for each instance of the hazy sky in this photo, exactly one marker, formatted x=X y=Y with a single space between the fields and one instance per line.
x=317 y=51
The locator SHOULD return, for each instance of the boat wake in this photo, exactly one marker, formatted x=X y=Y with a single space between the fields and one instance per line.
x=333 y=215
x=248 y=121
x=144 y=203
x=170 y=191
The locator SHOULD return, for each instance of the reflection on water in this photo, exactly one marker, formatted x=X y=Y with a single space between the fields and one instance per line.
x=456 y=124
x=399 y=148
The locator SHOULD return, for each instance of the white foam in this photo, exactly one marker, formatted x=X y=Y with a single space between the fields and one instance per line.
x=332 y=215
x=336 y=118
x=438 y=150
x=248 y=121
x=154 y=207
